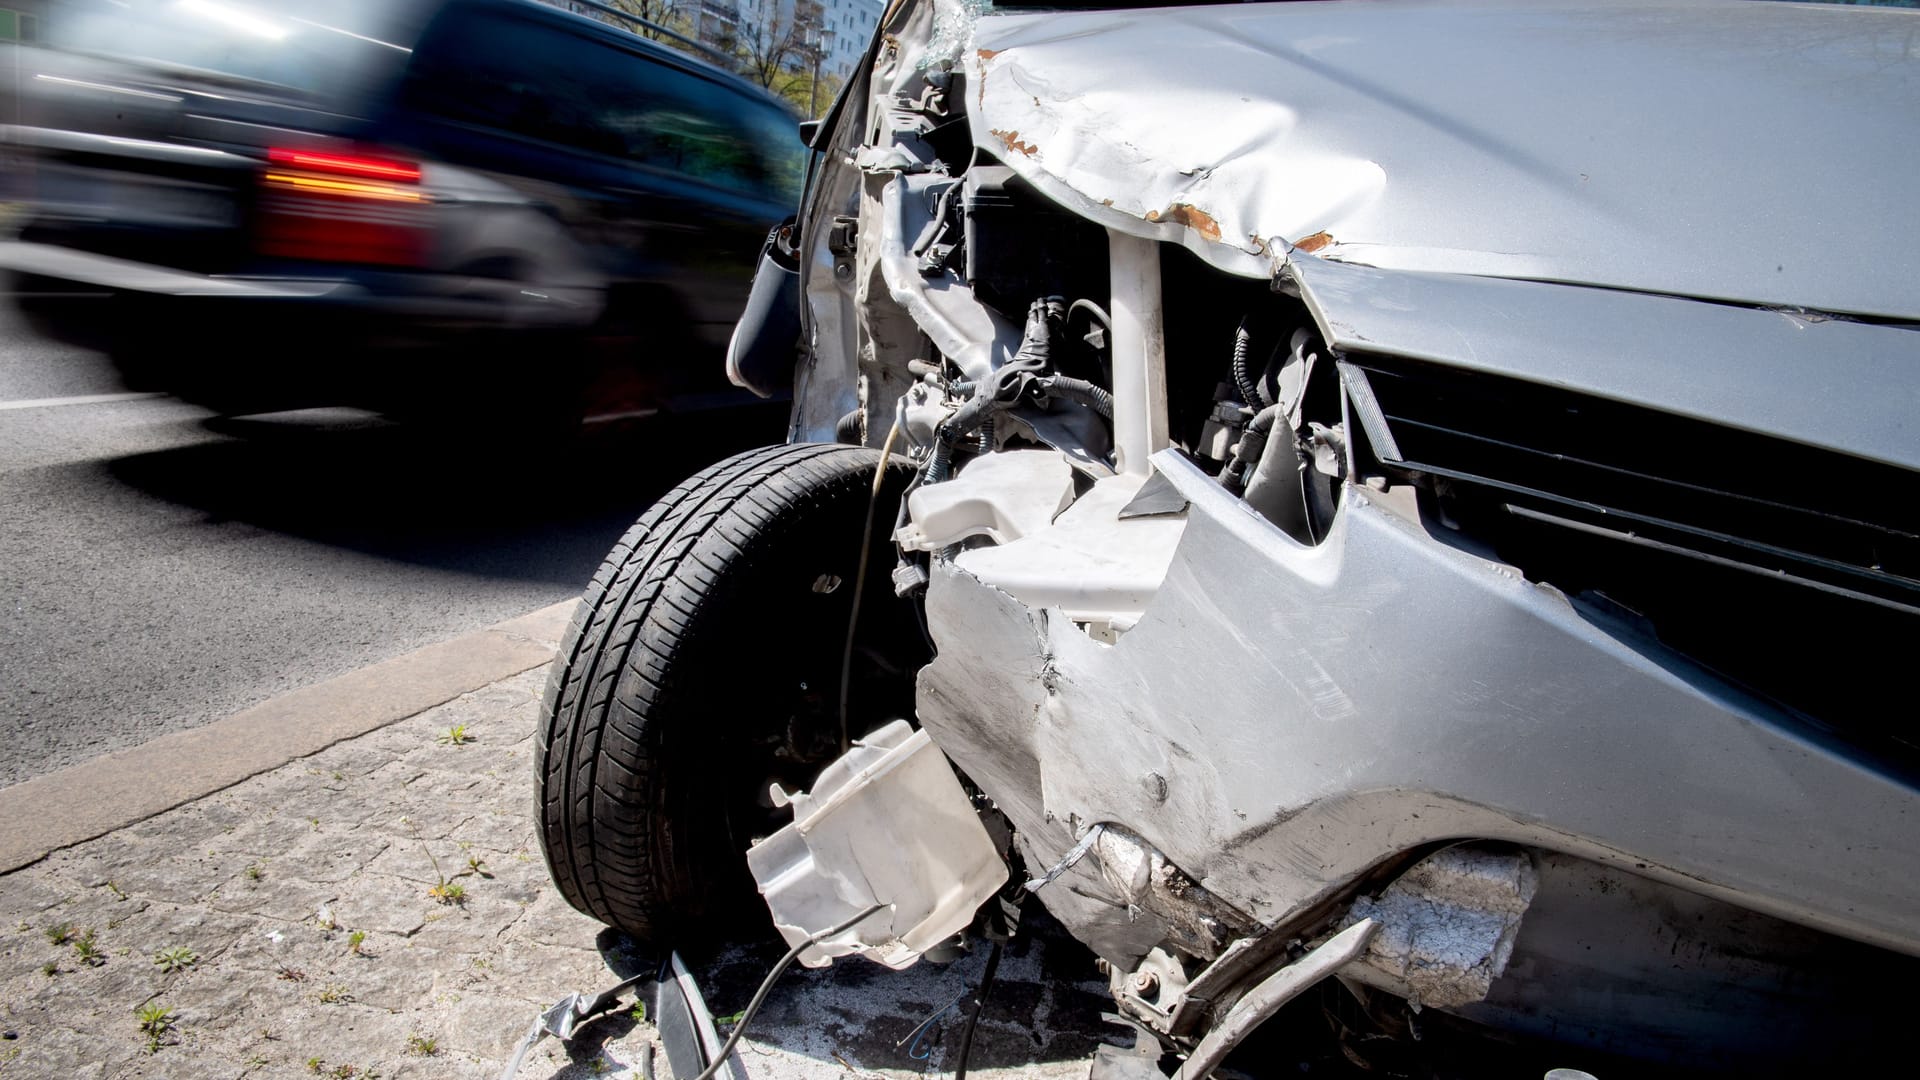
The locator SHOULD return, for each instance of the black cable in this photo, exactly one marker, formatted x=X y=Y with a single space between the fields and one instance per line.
x=939 y=459
x=1242 y=378
x=860 y=584
x=973 y=1016
x=1092 y=395
x=1002 y=388
x=766 y=986
x=1246 y=452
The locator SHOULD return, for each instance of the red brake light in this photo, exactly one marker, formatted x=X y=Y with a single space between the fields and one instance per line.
x=346 y=165
x=351 y=208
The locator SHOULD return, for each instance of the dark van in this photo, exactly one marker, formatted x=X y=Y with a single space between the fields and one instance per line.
x=418 y=207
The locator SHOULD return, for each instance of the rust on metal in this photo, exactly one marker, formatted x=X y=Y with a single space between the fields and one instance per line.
x=1012 y=139
x=988 y=54
x=1191 y=216
x=1313 y=243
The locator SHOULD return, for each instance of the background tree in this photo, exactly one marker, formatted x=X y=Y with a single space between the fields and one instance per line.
x=798 y=89
x=772 y=38
x=674 y=15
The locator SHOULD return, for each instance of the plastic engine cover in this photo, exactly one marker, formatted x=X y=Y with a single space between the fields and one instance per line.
x=887 y=823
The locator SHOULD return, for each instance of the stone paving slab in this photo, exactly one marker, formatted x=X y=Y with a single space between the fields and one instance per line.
x=302 y=895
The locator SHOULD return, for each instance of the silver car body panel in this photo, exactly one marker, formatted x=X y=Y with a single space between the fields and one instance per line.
x=1847 y=386
x=1589 y=142
x=1281 y=718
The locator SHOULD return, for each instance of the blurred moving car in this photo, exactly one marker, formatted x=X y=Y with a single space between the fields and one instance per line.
x=1422 y=493
x=400 y=204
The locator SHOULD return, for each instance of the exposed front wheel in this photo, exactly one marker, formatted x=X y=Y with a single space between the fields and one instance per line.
x=702 y=666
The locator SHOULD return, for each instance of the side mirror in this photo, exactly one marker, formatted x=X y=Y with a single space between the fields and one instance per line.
x=809 y=130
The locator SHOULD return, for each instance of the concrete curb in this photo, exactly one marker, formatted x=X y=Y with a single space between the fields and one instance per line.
x=115 y=790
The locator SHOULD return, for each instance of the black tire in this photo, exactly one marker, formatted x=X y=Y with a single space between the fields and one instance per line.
x=703 y=665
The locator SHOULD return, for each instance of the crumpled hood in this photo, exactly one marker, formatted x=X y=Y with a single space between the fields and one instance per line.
x=1739 y=150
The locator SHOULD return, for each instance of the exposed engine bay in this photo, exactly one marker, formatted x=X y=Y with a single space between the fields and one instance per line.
x=1299 y=620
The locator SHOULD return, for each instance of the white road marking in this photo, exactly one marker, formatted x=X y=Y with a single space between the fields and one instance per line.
x=89 y=399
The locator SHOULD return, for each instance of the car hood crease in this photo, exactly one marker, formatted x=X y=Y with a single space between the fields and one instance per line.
x=1753 y=153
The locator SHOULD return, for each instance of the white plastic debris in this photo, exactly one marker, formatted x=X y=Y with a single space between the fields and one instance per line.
x=888 y=823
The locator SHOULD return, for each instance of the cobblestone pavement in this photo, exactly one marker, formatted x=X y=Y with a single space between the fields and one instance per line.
x=380 y=909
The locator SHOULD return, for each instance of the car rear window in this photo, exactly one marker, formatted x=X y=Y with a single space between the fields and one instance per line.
x=333 y=51
x=496 y=70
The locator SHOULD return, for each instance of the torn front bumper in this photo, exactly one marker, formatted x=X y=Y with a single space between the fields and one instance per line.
x=1283 y=719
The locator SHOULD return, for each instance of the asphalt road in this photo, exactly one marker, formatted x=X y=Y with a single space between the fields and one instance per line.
x=161 y=568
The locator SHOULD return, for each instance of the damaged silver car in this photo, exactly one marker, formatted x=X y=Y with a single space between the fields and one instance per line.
x=1401 y=511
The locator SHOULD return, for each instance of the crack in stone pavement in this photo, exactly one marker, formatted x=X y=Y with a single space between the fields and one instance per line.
x=466 y=977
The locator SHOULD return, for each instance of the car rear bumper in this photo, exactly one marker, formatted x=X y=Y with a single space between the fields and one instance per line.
x=428 y=299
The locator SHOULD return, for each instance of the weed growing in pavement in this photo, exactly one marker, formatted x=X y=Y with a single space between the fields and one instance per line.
x=457 y=735
x=315 y=1065
x=59 y=933
x=638 y=1012
x=444 y=890
x=177 y=958
x=334 y=994
x=50 y=968
x=254 y=870
x=117 y=891
x=356 y=943
x=422 y=1045
x=155 y=1023
x=477 y=867
x=292 y=975
x=88 y=950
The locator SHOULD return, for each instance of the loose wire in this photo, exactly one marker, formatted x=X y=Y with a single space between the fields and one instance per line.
x=860 y=580
x=973 y=1016
x=766 y=986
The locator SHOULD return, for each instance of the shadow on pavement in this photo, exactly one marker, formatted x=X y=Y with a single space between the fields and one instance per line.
x=460 y=503
x=1042 y=1016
